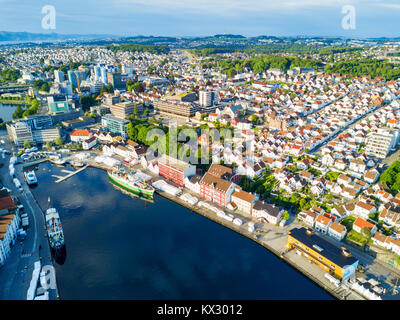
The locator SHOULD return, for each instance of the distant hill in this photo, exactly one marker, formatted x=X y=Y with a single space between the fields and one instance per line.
x=27 y=36
x=238 y=36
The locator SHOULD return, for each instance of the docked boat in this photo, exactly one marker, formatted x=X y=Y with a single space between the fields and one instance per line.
x=30 y=177
x=130 y=183
x=76 y=163
x=54 y=231
x=58 y=161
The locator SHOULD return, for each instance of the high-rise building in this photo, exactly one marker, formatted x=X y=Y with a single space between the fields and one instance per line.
x=59 y=76
x=97 y=73
x=20 y=132
x=128 y=69
x=76 y=77
x=112 y=100
x=206 y=98
x=114 y=78
x=103 y=72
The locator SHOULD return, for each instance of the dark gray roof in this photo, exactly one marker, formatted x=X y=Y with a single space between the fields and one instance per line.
x=195 y=179
x=330 y=252
x=271 y=209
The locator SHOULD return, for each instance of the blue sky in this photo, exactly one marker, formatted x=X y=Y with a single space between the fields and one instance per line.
x=374 y=18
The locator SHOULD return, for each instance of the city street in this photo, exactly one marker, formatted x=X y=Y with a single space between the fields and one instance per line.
x=16 y=274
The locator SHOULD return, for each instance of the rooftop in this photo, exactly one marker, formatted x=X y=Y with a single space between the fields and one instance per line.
x=329 y=251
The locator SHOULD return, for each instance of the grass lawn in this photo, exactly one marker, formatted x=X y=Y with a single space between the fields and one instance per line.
x=357 y=237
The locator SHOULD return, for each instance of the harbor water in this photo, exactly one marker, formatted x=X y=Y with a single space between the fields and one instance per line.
x=121 y=247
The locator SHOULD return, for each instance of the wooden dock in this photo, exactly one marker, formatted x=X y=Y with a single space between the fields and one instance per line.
x=69 y=174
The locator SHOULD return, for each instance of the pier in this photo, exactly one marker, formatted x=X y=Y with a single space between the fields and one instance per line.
x=69 y=174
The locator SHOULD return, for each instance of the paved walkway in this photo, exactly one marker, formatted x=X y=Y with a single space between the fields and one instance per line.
x=16 y=274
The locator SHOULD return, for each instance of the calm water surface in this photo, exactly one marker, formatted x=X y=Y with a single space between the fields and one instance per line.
x=120 y=247
x=6 y=111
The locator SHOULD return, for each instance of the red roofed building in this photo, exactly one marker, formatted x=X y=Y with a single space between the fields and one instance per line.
x=5 y=204
x=322 y=223
x=79 y=135
x=360 y=224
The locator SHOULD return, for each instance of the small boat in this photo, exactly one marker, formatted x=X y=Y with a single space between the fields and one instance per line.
x=30 y=177
x=58 y=161
x=75 y=163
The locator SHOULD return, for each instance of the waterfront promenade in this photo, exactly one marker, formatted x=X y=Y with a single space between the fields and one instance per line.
x=271 y=237
x=274 y=239
x=16 y=274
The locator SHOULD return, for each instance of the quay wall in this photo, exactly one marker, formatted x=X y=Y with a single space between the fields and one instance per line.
x=253 y=237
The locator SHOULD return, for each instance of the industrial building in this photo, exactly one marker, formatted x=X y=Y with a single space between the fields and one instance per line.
x=338 y=262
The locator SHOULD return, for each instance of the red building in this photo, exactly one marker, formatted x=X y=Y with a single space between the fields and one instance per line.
x=175 y=170
x=215 y=187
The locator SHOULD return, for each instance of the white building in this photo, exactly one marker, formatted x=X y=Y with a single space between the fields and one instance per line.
x=244 y=200
x=337 y=231
x=206 y=98
x=381 y=143
x=266 y=211
x=89 y=143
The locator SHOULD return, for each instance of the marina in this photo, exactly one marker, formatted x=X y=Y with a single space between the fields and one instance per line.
x=167 y=249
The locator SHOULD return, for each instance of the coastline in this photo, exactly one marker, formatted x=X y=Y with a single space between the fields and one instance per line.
x=282 y=254
x=47 y=250
x=249 y=235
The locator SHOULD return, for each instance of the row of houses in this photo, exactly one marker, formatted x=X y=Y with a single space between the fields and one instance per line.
x=9 y=224
x=216 y=186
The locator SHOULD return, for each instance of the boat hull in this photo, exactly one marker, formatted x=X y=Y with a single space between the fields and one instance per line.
x=59 y=254
x=132 y=189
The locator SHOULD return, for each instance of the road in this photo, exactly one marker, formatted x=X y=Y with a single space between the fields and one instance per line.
x=16 y=274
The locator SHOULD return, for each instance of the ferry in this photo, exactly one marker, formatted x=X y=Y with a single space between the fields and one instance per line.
x=30 y=177
x=54 y=230
x=130 y=182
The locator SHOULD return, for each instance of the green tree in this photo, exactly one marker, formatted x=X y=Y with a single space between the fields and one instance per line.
x=18 y=112
x=285 y=215
x=86 y=102
x=27 y=144
x=132 y=131
x=58 y=141
x=366 y=233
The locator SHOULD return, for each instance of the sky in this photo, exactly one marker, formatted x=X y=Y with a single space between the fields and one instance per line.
x=180 y=18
